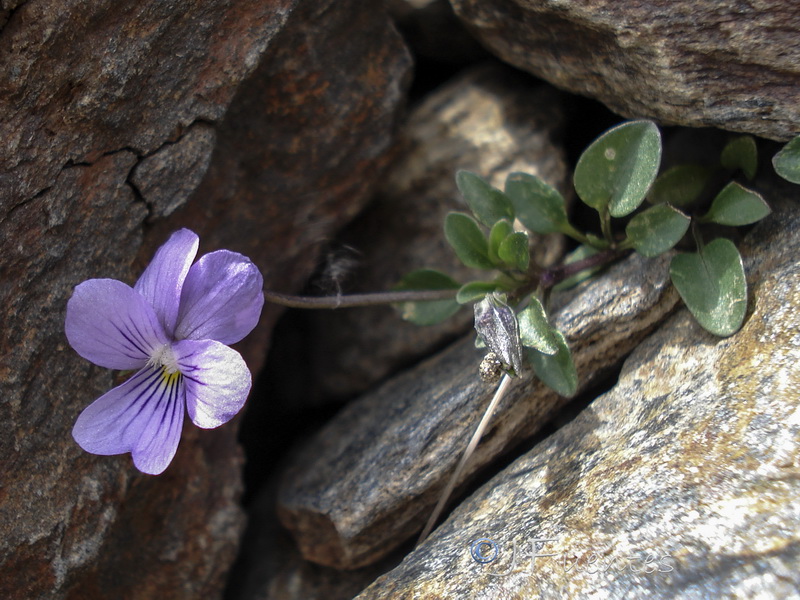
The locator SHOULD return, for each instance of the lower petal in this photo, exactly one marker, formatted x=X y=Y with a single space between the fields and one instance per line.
x=143 y=416
x=216 y=378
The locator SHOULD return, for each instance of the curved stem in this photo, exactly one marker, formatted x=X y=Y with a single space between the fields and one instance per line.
x=355 y=300
x=473 y=443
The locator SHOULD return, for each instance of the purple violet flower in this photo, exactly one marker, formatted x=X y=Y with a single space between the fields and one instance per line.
x=173 y=328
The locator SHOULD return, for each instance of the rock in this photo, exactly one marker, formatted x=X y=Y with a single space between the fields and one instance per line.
x=112 y=127
x=271 y=568
x=434 y=33
x=489 y=120
x=682 y=481
x=730 y=65
x=369 y=479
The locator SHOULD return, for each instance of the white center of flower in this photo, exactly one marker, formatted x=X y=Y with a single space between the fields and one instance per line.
x=164 y=357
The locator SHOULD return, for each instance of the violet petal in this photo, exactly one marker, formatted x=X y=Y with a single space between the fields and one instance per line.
x=216 y=379
x=111 y=325
x=143 y=416
x=222 y=298
x=163 y=279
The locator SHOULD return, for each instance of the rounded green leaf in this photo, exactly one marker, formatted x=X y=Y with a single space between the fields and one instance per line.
x=557 y=371
x=515 y=251
x=487 y=203
x=474 y=290
x=741 y=153
x=467 y=239
x=787 y=161
x=435 y=311
x=680 y=185
x=713 y=286
x=535 y=330
x=618 y=168
x=538 y=206
x=657 y=229
x=500 y=231
x=736 y=205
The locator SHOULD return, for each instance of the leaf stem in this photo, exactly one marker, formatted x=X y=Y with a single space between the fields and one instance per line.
x=357 y=300
x=559 y=273
x=473 y=443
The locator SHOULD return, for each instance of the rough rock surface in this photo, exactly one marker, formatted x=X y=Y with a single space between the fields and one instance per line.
x=113 y=114
x=681 y=482
x=369 y=480
x=732 y=65
x=489 y=120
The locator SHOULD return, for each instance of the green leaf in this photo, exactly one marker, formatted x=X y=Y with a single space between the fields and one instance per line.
x=741 y=153
x=556 y=371
x=467 y=239
x=500 y=231
x=474 y=290
x=712 y=284
x=787 y=161
x=657 y=229
x=515 y=251
x=535 y=330
x=539 y=207
x=736 y=205
x=487 y=203
x=579 y=253
x=427 y=313
x=680 y=185
x=617 y=169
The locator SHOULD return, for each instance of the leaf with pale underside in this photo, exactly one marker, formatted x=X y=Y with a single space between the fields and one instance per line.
x=535 y=330
x=432 y=312
x=557 y=371
x=736 y=205
x=713 y=286
x=657 y=229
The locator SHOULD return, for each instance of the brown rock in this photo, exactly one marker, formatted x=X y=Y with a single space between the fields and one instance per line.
x=110 y=110
x=489 y=120
x=731 y=65
x=369 y=480
x=680 y=482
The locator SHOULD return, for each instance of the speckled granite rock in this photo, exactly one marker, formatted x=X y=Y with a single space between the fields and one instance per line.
x=369 y=480
x=726 y=64
x=489 y=120
x=681 y=482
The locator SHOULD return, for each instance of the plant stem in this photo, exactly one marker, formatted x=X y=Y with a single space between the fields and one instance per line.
x=356 y=300
x=559 y=273
x=473 y=443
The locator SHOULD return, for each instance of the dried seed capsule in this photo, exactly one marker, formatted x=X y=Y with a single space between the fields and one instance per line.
x=491 y=368
x=497 y=324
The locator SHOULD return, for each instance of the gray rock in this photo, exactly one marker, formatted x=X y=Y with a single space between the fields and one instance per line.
x=732 y=65
x=681 y=482
x=489 y=120
x=369 y=479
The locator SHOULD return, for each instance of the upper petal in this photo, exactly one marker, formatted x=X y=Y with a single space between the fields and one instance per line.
x=162 y=280
x=216 y=379
x=221 y=299
x=111 y=325
x=143 y=416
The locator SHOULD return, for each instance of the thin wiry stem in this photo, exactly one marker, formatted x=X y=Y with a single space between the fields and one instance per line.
x=473 y=443
x=356 y=300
